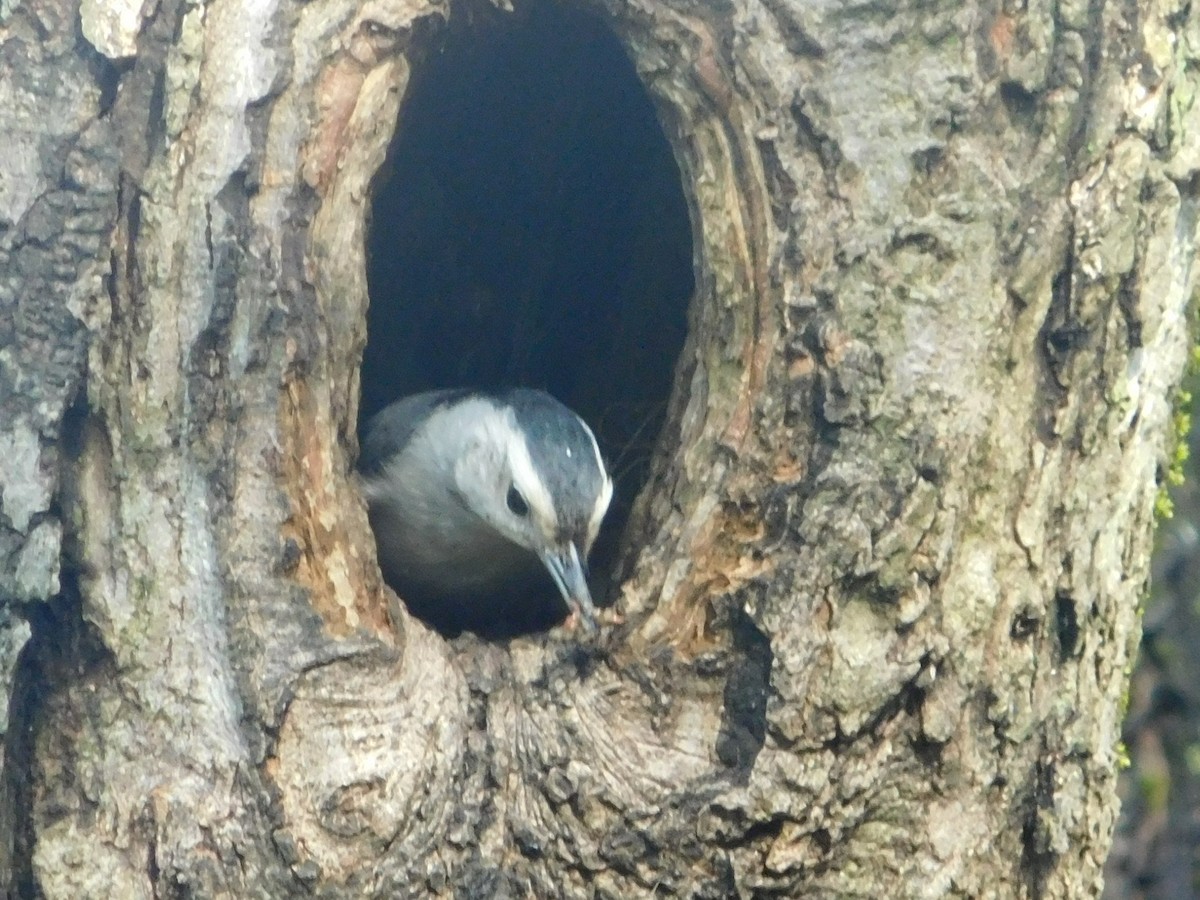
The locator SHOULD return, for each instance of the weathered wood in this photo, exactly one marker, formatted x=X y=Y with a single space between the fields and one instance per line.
x=881 y=590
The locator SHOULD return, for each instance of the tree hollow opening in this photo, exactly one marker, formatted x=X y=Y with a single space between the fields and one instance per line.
x=530 y=229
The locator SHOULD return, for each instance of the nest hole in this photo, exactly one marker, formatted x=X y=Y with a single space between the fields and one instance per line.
x=529 y=228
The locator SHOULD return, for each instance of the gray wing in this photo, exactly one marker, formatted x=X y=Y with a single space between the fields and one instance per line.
x=390 y=430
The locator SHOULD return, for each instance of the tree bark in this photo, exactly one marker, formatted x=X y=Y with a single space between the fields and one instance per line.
x=881 y=591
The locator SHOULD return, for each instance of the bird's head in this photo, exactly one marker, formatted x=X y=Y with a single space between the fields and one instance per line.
x=534 y=474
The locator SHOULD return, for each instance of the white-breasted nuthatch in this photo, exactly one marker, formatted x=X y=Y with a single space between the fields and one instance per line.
x=470 y=493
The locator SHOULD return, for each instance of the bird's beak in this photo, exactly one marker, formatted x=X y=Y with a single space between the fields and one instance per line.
x=567 y=572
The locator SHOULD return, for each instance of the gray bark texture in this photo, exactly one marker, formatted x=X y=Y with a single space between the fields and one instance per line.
x=881 y=590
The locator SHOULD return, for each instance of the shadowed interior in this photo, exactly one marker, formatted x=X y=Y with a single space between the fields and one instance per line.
x=530 y=228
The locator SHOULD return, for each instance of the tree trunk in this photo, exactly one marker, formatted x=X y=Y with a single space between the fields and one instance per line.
x=881 y=589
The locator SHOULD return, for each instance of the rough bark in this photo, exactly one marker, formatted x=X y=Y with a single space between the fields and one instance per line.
x=881 y=591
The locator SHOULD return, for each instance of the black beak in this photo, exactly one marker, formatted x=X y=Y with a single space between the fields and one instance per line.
x=567 y=571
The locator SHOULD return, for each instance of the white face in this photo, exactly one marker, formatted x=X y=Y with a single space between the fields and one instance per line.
x=600 y=508
x=496 y=478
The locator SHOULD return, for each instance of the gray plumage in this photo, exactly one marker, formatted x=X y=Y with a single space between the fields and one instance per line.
x=471 y=494
x=392 y=428
x=562 y=449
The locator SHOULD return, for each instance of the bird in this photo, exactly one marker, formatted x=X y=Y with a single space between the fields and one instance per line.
x=472 y=494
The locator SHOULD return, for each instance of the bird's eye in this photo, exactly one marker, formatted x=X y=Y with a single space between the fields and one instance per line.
x=516 y=502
